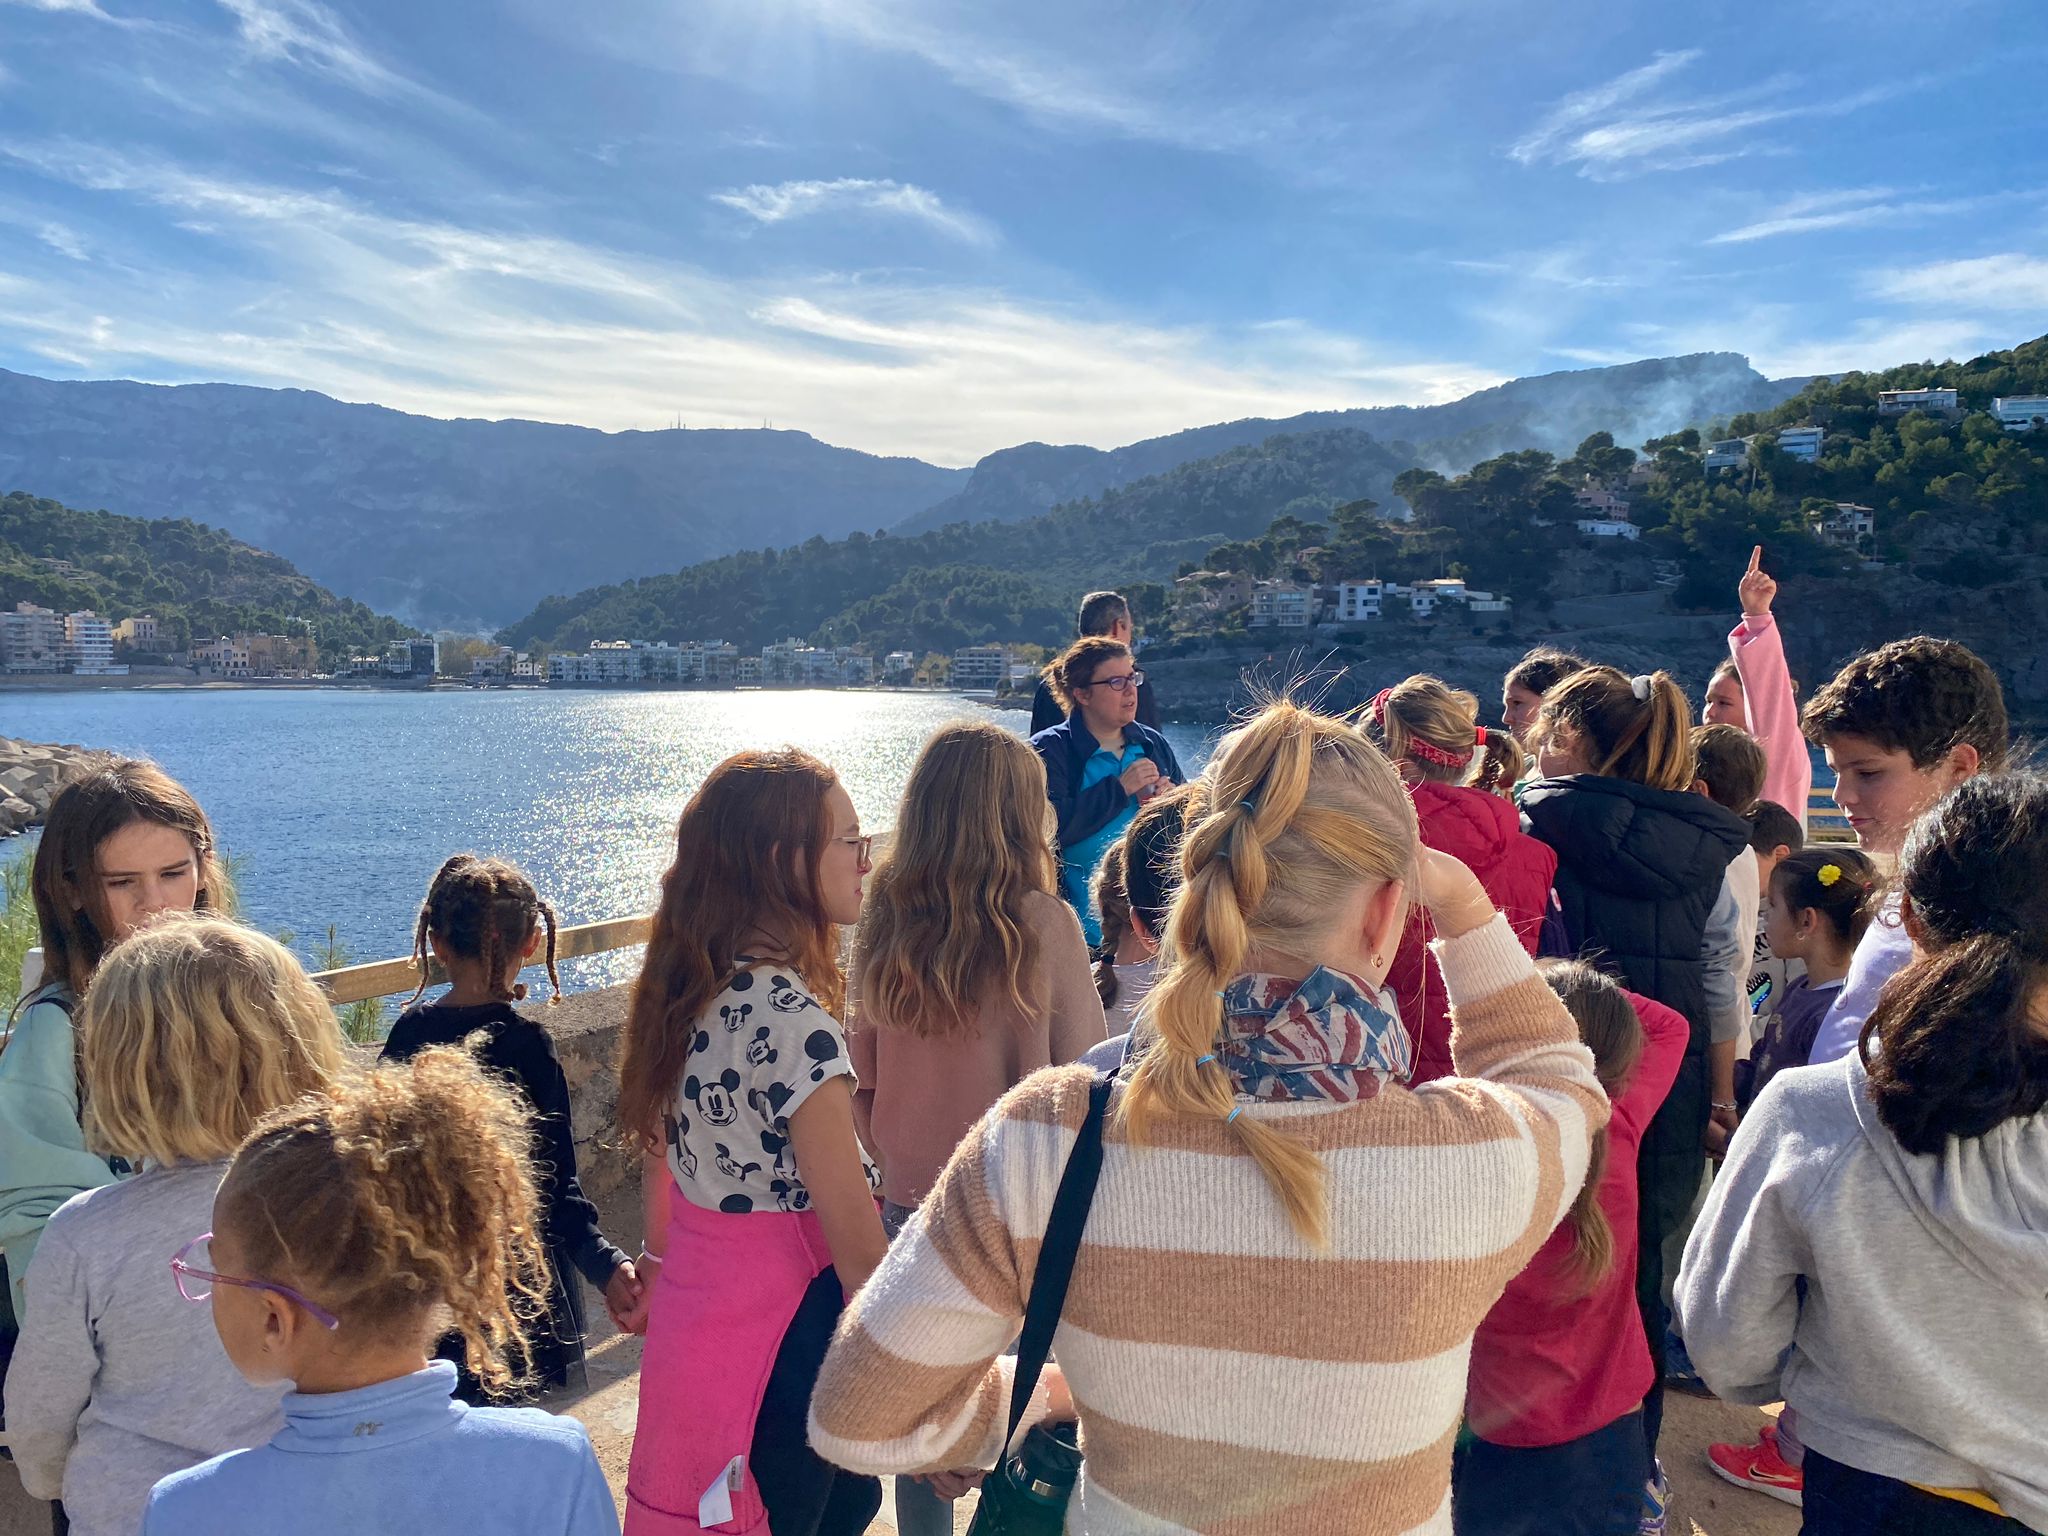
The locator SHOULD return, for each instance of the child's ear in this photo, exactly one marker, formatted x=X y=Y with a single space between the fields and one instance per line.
x=281 y=1323
x=1699 y=787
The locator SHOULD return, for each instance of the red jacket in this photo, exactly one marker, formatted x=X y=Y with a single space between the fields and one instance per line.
x=1485 y=833
x=1549 y=1365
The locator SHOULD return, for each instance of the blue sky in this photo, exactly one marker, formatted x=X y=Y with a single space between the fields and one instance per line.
x=939 y=228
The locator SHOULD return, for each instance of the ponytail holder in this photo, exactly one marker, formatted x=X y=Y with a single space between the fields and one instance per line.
x=1247 y=807
x=1640 y=686
x=1229 y=1118
x=1828 y=874
x=1378 y=707
x=1203 y=1061
x=1478 y=735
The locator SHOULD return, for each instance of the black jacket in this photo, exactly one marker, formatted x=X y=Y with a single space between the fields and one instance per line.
x=1638 y=872
x=517 y=1050
x=1046 y=712
x=1065 y=749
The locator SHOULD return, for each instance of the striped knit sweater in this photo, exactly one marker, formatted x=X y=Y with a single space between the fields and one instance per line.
x=1230 y=1378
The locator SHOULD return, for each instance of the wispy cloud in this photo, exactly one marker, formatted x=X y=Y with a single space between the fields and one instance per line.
x=314 y=289
x=2006 y=284
x=800 y=199
x=308 y=34
x=1620 y=129
x=63 y=241
x=1857 y=208
x=1596 y=102
x=78 y=7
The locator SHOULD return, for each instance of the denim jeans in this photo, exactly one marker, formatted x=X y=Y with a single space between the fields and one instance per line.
x=919 y=1511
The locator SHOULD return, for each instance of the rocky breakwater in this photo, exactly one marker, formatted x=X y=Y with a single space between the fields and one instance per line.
x=31 y=774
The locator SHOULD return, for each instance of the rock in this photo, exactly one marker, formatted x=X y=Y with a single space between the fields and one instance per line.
x=16 y=814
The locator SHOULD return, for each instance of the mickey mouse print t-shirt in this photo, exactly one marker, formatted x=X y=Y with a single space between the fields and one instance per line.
x=762 y=1048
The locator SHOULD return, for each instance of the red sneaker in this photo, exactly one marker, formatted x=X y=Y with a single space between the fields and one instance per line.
x=1760 y=1467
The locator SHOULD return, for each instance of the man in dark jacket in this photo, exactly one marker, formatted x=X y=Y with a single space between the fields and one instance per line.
x=1102 y=613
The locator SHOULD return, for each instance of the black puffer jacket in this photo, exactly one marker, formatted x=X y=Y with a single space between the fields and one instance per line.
x=1638 y=872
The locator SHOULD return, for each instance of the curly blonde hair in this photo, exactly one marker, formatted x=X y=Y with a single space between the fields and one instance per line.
x=196 y=1028
x=404 y=1195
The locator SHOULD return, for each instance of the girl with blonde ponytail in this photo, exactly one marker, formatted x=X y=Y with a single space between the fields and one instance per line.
x=1279 y=1218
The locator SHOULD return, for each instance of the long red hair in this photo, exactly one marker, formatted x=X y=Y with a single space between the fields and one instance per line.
x=747 y=852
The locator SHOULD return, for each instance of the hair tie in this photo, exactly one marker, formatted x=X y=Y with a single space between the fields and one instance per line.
x=1828 y=874
x=1478 y=735
x=1378 y=707
x=1203 y=1061
x=1430 y=752
x=1640 y=686
x=1227 y=1119
x=1247 y=807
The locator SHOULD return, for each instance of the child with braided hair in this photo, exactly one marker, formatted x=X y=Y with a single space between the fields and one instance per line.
x=350 y=1230
x=1456 y=771
x=483 y=920
x=1288 y=1249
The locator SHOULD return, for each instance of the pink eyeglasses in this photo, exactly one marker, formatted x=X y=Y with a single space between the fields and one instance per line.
x=204 y=1279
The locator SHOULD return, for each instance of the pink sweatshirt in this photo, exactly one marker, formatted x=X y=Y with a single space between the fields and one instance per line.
x=919 y=1096
x=1759 y=653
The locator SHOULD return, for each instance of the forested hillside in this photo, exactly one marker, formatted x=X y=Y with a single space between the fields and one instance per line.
x=194 y=579
x=972 y=582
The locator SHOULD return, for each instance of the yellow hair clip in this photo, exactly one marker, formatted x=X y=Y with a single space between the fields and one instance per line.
x=1828 y=874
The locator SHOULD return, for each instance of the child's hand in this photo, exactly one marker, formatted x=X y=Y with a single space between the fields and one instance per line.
x=627 y=1295
x=1721 y=1124
x=1756 y=589
x=1457 y=903
x=951 y=1485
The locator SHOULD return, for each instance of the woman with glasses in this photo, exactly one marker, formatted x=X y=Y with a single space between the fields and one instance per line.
x=194 y=1029
x=1100 y=764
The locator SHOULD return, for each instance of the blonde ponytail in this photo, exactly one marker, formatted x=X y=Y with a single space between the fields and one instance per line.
x=1302 y=812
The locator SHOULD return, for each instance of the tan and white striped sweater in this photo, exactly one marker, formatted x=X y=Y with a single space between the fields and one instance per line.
x=1230 y=1378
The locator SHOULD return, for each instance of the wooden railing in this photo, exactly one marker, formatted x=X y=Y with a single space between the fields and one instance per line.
x=391 y=978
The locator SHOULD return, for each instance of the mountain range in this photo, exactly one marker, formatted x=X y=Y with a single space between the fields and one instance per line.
x=467 y=523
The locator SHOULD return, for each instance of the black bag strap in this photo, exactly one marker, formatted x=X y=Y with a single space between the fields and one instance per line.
x=1056 y=1254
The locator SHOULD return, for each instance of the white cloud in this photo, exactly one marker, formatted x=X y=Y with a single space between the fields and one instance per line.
x=308 y=34
x=797 y=199
x=449 y=319
x=1856 y=209
x=1611 y=131
x=63 y=241
x=79 y=7
x=1597 y=101
x=2006 y=284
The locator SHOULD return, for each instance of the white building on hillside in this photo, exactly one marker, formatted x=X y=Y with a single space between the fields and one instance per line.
x=2021 y=413
x=32 y=640
x=1281 y=605
x=1849 y=525
x=1801 y=443
x=1728 y=453
x=1900 y=402
x=1358 y=601
x=1610 y=527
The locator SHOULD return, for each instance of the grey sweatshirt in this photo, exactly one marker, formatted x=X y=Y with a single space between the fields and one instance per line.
x=118 y=1380
x=1919 y=1349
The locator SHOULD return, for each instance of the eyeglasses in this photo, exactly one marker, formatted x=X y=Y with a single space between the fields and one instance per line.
x=1123 y=684
x=195 y=1284
x=863 y=847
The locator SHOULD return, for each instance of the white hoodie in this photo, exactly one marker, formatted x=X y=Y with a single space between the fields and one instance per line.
x=1899 y=1302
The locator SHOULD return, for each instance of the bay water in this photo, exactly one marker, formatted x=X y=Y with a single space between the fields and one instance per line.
x=337 y=805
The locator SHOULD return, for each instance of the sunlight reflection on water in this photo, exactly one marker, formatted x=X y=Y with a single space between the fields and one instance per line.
x=339 y=805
